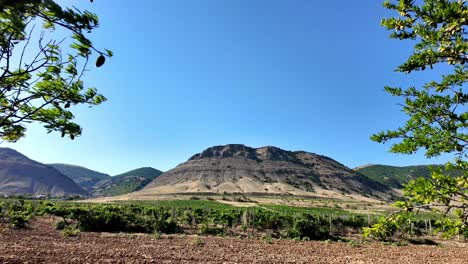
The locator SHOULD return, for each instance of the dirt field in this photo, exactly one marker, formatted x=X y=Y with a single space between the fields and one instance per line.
x=42 y=244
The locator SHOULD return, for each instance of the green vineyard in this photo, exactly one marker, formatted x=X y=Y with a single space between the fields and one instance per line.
x=199 y=217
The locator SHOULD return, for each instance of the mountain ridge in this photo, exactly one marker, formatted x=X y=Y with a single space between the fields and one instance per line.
x=100 y=184
x=84 y=177
x=22 y=175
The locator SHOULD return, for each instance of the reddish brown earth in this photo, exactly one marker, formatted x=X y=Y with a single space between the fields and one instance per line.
x=42 y=244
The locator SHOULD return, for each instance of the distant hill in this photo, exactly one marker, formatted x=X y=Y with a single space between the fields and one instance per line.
x=85 y=177
x=396 y=177
x=237 y=168
x=101 y=184
x=127 y=182
x=20 y=175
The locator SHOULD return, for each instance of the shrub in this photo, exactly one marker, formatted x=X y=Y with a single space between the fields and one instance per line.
x=387 y=227
x=156 y=235
x=61 y=225
x=267 y=238
x=168 y=226
x=214 y=231
x=198 y=241
x=70 y=231
x=311 y=227
x=19 y=213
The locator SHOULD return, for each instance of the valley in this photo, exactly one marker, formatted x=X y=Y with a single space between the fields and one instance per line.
x=224 y=197
x=233 y=132
x=225 y=173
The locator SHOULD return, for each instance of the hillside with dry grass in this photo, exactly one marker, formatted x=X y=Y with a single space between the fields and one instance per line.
x=267 y=170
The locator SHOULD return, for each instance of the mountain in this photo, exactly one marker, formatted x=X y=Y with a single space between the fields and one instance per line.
x=21 y=175
x=85 y=177
x=237 y=168
x=101 y=184
x=396 y=177
x=126 y=182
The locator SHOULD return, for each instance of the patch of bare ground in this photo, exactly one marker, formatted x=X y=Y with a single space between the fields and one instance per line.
x=42 y=244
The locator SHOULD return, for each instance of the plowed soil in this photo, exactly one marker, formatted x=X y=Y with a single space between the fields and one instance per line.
x=41 y=243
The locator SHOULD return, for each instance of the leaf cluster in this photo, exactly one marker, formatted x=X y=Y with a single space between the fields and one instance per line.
x=42 y=87
x=437 y=111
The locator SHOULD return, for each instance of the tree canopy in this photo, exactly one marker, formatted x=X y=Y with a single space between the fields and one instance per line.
x=437 y=110
x=41 y=76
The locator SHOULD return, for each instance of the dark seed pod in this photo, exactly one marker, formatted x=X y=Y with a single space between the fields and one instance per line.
x=67 y=105
x=72 y=137
x=63 y=134
x=100 y=61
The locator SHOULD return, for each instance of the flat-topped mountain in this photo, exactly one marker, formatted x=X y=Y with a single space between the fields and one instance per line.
x=238 y=168
x=21 y=175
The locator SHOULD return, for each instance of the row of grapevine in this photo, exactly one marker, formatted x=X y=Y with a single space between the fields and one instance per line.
x=216 y=220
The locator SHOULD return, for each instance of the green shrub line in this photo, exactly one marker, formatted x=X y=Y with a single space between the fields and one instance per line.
x=196 y=216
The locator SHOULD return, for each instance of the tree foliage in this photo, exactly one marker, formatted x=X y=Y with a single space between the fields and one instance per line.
x=40 y=76
x=437 y=111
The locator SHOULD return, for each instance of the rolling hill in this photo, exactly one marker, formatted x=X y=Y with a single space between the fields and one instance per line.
x=268 y=170
x=101 y=184
x=84 y=177
x=127 y=182
x=396 y=177
x=20 y=175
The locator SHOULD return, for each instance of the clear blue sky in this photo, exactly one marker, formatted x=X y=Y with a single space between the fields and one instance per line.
x=187 y=75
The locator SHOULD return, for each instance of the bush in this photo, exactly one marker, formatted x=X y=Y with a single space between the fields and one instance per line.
x=387 y=227
x=116 y=218
x=198 y=241
x=168 y=226
x=71 y=231
x=61 y=225
x=310 y=227
x=19 y=213
x=267 y=238
x=18 y=220
x=214 y=231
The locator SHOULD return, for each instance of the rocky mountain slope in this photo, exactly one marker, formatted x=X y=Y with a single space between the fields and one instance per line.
x=267 y=170
x=21 y=175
